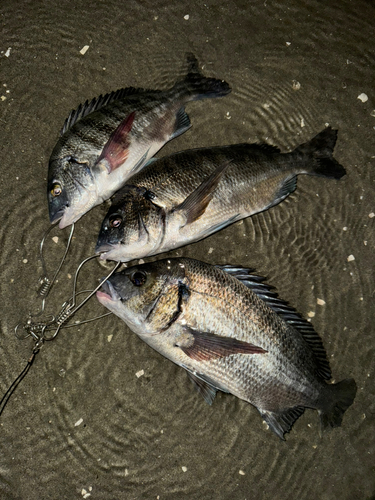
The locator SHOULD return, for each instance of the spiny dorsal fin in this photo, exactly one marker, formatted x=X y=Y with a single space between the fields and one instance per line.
x=265 y=148
x=97 y=103
x=285 y=311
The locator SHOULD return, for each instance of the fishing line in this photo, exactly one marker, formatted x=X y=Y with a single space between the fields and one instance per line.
x=39 y=330
x=15 y=383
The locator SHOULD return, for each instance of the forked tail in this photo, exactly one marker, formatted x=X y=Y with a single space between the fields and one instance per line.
x=319 y=155
x=339 y=397
x=196 y=86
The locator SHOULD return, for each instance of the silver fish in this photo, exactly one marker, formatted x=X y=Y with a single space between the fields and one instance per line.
x=110 y=138
x=231 y=333
x=189 y=195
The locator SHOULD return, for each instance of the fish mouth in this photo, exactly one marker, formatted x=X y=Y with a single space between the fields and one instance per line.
x=108 y=251
x=54 y=217
x=107 y=293
x=67 y=219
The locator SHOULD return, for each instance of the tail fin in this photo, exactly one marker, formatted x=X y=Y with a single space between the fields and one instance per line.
x=196 y=86
x=340 y=397
x=319 y=152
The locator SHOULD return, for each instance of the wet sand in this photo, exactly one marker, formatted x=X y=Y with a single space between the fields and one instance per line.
x=102 y=416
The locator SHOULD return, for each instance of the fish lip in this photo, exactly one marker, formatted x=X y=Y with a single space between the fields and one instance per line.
x=53 y=218
x=101 y=248
x=109 y=251
x=108 y=292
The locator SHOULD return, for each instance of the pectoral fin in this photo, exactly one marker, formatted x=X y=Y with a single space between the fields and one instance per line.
x=196 y=203
x=116 y=149
x=204 y=346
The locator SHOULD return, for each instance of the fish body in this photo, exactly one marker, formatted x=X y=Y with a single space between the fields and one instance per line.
x=110 y=138
x=189 y=195
x=231 y=333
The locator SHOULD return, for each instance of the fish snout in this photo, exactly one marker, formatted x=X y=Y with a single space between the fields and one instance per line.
x=107 y=292
x=103 y=247
x=56 y=215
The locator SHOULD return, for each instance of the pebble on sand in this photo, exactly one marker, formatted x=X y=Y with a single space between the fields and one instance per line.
x=363 y=97
x=320 y=302
x=84 y=49
x=140 y=373
x=350 y=258
x=184 y=469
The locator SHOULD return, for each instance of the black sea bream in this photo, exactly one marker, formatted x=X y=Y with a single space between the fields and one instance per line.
x=107 y=140
x=231 y=333
x=189 y=195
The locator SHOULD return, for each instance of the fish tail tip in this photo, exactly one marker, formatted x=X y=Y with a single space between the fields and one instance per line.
x=192 y=61
x=320 y=150
x=329 y=167
x=341 y=398
x=197 y=86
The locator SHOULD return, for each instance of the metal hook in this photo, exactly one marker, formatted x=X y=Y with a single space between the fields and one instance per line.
x=45 y=283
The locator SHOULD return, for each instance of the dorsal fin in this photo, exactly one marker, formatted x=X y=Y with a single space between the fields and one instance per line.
x=97 y=103
x=285 y=311
x=266 y=148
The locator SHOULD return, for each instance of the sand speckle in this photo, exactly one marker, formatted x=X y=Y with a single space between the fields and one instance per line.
x=363 y=97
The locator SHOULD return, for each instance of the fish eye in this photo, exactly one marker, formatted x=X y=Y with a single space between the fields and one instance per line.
x=115 y=221
x=56 y=190
x=138 y=278
x=149 y=195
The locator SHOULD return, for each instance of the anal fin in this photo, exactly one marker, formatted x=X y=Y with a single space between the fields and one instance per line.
x=281 y=422
x=182 y=123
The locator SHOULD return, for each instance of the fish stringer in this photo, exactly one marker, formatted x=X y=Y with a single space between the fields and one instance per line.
x=44 y=331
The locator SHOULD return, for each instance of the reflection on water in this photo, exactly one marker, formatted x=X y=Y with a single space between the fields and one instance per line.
x=100 y=429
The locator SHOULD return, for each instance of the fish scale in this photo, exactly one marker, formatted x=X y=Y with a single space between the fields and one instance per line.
x=110 y=138
x=230 y=332
x=191 y=194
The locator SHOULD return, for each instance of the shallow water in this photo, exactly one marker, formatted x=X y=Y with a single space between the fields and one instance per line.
x=294 y=67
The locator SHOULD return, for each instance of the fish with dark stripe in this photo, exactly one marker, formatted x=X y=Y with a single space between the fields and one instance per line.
x=189 y=195
x=231 y=333
x=107 y=140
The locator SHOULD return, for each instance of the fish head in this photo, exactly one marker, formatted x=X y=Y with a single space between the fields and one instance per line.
x=132 y=228
x=71 y=190
x=144 y=296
